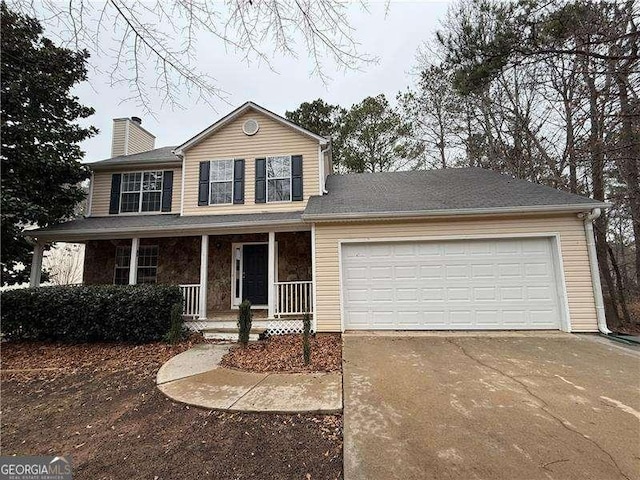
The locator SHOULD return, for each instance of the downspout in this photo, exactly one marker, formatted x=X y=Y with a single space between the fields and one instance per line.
x=588 y=219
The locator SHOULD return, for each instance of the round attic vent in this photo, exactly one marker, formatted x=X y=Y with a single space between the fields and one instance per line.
x=250 y=127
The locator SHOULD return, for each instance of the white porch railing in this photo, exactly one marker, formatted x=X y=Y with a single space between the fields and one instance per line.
x=293 y=298
x=191 y=300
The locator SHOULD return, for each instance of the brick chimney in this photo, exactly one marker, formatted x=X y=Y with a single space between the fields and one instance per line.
x=129 y=137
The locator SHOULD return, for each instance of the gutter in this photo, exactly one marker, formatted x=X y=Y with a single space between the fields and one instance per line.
x=588 y=219
x=336 y=217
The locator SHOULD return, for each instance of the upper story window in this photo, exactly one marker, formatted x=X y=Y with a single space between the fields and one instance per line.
x=221 y=182
x=141 y=192
x=279 y=179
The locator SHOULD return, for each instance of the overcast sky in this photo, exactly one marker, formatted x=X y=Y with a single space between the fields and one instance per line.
x=393 y=38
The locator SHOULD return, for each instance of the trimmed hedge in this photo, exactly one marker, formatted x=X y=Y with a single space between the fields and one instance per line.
x=79 y=313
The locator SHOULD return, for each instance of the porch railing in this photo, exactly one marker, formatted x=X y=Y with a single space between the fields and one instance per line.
x=293 y=298
x=191 y=300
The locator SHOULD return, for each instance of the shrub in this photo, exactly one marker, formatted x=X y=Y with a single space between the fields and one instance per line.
x=129 y=313
x=306 y=342
x=244 y=322
x=177 y=330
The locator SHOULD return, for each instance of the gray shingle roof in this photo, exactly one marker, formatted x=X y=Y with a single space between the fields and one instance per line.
x=435 y=191
x=159 y=155
x=155 y=224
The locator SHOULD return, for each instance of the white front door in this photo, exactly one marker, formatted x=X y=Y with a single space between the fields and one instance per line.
x=451 y=285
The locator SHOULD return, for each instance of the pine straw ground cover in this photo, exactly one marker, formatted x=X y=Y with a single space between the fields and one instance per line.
x=99 y=403
x=283 y=353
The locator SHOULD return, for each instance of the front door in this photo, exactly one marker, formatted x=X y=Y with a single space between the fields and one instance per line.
x=254 y=276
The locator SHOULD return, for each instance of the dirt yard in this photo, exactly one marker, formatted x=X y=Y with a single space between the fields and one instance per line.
x=99 y=404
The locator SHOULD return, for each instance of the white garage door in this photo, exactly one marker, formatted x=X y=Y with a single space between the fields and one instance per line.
x=454 y=285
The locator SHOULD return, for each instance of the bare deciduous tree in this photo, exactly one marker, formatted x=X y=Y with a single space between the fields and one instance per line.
x=552 y=94
x=153 y=45
x=64 y=262
x=434 y=110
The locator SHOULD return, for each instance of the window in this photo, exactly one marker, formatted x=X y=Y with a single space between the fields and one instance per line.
x=123 y=259
x=141 y=192
x=221 y=178
x=130 y=201
x=152 y=191
x=278 y=179
x=147 y=263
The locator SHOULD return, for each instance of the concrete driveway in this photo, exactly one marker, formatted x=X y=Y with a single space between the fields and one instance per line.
x=513 y=407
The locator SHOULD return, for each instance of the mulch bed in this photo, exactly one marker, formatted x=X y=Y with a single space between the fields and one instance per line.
x=99 y=403
x=283 y=353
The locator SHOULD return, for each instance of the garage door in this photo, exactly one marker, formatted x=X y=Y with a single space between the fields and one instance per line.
x=454 y=285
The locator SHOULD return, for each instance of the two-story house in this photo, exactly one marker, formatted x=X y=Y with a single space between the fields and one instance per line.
x=249 y=209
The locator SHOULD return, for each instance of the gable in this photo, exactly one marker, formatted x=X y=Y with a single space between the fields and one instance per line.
x=230 y=142
x=232 y=117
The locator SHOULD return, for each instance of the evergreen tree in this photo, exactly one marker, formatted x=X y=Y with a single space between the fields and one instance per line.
x=323 y=119
x=376 y=138
x=40 y=156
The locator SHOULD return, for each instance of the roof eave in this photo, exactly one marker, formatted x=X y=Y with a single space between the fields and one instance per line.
x=193 y=141
x=418 y=214
x=155 y=231
x=97 y=167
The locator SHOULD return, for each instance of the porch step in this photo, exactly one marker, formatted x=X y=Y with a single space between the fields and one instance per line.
x=215 y=324
x=222 y=333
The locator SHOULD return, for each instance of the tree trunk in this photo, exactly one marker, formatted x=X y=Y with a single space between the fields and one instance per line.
x=628 y=161
x=597 y=174
x=621 y=296
x=571 y=149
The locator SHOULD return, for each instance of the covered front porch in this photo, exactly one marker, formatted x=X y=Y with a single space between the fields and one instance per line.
x=216 y=272
x=217 y=260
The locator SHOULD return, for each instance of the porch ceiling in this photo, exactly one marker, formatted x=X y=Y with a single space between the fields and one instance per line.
x=92 y=228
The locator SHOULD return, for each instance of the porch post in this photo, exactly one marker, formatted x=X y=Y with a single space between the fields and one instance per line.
x=204 y=266
x=133 y=261
x=271 y=278
x=36 y=264
x=314 y=304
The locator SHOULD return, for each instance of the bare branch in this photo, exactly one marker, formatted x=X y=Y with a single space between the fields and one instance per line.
x=165 y=36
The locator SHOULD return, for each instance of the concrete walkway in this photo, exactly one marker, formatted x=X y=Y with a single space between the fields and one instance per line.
x=194 y=377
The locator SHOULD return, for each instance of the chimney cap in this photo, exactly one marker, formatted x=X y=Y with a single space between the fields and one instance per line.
x=137 y=120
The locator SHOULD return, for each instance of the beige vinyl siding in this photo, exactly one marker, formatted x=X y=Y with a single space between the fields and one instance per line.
x=118 y=137
x=139 y=139
x=102 y=191
x=273 y=138
x=572 y=239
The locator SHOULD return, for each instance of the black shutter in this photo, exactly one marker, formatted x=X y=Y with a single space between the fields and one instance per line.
x=296 y=177
x=203 y=184
x=261 y=180
x=114 y=200
x=167 y=190
x=238 y=180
